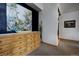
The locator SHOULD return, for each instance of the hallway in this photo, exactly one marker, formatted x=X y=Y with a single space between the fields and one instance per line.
x=65 y=47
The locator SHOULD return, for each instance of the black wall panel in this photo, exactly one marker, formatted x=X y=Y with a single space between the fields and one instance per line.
x=3 y=17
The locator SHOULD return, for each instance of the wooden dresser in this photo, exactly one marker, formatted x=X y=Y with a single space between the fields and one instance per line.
x=18 y=44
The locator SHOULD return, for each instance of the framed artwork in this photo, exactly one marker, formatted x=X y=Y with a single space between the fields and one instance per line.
x=70 y=24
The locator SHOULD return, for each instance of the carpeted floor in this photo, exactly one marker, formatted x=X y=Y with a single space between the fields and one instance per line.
x=65 y=48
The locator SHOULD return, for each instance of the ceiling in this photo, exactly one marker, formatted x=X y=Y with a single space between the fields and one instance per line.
x=68 y=7
x=63 y=7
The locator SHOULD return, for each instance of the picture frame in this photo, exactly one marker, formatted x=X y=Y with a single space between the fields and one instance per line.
x=70 y=24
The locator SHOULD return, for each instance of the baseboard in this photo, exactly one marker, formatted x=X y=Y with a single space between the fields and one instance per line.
x=49 y=44
x=68 y=40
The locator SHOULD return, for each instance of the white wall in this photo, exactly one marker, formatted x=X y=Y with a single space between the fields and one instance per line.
x=68 y=7
x=69 y=33
x=49 y=17
x=48 y=14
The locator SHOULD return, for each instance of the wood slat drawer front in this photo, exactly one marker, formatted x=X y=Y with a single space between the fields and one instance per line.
x=37 y=41
x=19 y=43
x=19 y=53
x=29 y=41
x=32 y=47
x=5 y=41
x=4 y=48
x=36 y=34
x=19 y=38
x=37 y=45
x=30 y=44
x=28 y=49
x=37 y=37
x=7 y=37
x=6 y=53
x=30 y=36
x=19 y=48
